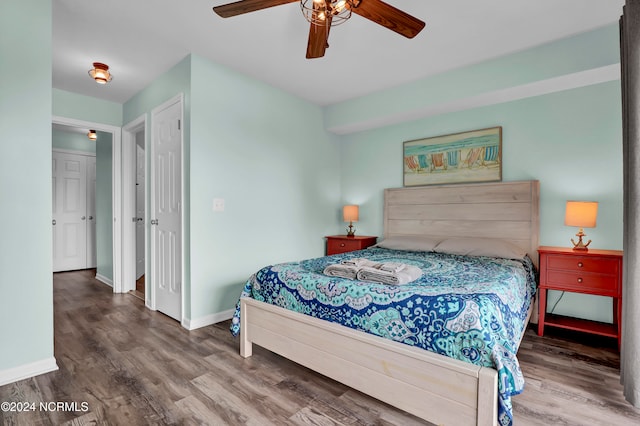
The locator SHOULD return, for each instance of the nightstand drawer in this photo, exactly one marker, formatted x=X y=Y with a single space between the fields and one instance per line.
x=583 y=263
x=342 y=246
x=337 y=244
x=601 y=284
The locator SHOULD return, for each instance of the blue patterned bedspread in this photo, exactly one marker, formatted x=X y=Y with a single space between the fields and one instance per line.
x=469 y=308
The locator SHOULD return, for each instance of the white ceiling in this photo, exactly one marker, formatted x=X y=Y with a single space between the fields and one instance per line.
x=141 y=39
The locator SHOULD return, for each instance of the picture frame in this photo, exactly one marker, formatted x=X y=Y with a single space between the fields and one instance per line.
x=471 y=156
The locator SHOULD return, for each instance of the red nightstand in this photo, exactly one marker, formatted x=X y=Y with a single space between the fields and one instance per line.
x=597 y=272
x=341 y=243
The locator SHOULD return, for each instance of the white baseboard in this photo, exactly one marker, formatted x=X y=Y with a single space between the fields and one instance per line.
x=28 y=370
x=104 y=280
x=207 y=320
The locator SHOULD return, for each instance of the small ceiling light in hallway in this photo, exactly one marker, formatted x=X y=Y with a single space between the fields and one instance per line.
x=100 y=73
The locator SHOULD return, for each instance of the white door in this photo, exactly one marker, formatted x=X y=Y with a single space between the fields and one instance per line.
x=167 y=210
x=69 y=211
x=140 y=201
x=91 y=213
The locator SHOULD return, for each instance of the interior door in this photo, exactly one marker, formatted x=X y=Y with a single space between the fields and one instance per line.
x=167 y=210
x=69 y=175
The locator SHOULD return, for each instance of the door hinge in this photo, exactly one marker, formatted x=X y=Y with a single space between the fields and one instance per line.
x=178 y=124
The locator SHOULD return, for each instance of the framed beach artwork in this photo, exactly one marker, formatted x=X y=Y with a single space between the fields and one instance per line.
x=474 y=156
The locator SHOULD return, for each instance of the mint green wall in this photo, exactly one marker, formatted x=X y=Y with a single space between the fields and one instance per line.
x=268 y=156
x=104 y=205
x=80 y=107
x=586 y=51
x=266 y=153
x=72 y=141
x=571 y=141
x=26 y=298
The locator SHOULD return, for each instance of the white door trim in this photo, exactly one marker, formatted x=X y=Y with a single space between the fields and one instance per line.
x=116 y=156
x=178 y=98
x=129 y=201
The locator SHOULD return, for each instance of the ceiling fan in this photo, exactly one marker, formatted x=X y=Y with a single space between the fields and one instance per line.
x=323 y=14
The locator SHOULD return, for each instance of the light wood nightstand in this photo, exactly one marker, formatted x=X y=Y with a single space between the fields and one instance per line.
x=342 y=244
x=597 y=272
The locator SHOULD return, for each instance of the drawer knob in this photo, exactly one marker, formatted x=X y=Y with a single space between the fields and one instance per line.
x=341 y=244
x=580 y=264
x=579 y=280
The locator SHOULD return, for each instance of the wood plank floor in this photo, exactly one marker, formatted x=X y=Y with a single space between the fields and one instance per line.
x=133 y=366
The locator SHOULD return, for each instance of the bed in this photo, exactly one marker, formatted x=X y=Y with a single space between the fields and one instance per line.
x=396 y=368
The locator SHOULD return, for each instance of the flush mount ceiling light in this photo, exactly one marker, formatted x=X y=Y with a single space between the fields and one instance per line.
x=100 y=73
x=92 y=135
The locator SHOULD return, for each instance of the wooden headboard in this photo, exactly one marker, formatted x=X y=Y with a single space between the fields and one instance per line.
x=501 y=210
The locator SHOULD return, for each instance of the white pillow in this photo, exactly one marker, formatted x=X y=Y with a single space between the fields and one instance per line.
x=409 y=243
x=481 y=247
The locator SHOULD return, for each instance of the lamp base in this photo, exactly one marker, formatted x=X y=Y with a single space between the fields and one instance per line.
x=351 y=231
x=580 y=245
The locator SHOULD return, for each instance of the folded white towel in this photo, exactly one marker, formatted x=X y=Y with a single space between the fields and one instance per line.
x=341 y=270
x=359 y=262
x=392 y=266
x=406 y=275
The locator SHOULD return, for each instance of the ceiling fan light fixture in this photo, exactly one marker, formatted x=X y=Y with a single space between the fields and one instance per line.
x=100 y=73
x=341 y=5
x=327 y=12
x=324 y=14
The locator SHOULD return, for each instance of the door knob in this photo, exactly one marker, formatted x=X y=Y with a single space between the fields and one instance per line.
x=83 y=217
x=154 y=221
x=53 y=222
x=90 y=217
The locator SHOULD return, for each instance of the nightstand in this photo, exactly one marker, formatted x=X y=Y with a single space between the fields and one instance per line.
x=597 y=272
x=342 y=244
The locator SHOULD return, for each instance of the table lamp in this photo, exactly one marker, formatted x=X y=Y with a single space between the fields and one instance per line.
x=583 y=215
x=350 y=214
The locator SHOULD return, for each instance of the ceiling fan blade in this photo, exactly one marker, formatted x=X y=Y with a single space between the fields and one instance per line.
x=390 y=17
x=246 y=6
x=318 y=40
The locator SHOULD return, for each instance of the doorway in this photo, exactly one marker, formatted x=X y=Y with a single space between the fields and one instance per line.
x=105 y=217
x=140 y=207
x=160 y=224
x=135 y=201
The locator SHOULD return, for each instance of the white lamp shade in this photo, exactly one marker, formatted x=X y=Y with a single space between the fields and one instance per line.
x=581 y=213
x=350 y=213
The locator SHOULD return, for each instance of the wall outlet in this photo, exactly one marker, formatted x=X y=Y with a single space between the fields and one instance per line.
x=218 y=204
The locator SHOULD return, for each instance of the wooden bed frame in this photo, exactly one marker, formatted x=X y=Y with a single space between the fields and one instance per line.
x=433 y=387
